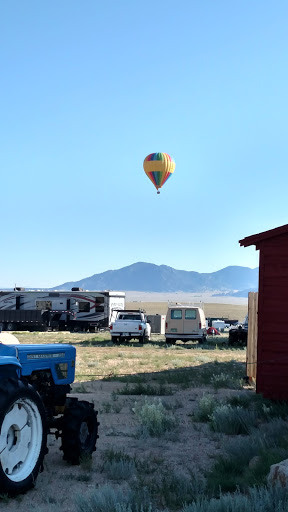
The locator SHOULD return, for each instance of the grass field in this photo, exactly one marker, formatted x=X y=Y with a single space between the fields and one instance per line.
x=219 y=310
x=98 y=358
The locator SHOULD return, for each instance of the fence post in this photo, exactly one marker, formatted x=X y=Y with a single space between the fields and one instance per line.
x=251 y=355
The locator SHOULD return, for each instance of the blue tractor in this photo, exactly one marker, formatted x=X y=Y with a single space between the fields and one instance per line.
x=34 y=387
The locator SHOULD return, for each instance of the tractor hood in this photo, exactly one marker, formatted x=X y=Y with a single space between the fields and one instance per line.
x=47 y=351
x=60 y=359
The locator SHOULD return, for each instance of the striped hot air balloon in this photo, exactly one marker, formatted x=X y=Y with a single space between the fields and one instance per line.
x=159 y=167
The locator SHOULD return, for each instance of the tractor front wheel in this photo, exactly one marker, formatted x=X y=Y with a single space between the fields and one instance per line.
x=23 y=436
x=80 y=431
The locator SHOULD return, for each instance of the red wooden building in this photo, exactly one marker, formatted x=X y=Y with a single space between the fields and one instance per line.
x=272 y=343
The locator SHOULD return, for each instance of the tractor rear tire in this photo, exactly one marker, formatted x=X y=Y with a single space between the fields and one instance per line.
x=80 y=431
x=23 y=436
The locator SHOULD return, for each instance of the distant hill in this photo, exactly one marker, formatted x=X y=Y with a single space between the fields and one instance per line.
x=240 y=293
x=147 y=277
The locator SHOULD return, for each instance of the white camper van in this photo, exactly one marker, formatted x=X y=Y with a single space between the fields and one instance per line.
x=185 y=323
x=219 y=325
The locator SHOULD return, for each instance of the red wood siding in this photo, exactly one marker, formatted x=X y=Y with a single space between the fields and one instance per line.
x=272 y=351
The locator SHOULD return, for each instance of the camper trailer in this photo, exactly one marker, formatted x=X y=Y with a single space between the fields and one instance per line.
x=75 y=310
x=219 y=325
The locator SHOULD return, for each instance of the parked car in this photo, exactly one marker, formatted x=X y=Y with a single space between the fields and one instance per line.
x=184 y=323
x=128 y=325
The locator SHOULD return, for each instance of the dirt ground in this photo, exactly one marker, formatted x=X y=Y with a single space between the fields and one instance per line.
x=58 y=486
x=190 y=446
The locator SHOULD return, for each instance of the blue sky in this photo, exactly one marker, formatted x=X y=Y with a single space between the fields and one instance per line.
x=90 y=88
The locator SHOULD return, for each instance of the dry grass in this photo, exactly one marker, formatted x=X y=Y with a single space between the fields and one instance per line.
x=98 y=358
x=232 y=311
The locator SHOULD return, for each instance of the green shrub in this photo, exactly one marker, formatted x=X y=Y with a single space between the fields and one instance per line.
x=107 y=407
x=117 y=407
x=149 y=465
x=266 y=409
x=4 y=498
x=205 y=408
x=117 y=465
x=134 y=378
x=173 y=489
x=154 y=418
x=269 y=442
x=225 y=380
x=86 y=463
x=232 y=420
x=275 y=432
x=243 y=400
x=225 y=476
x=257 y=473
x=169 y=488
x=269 y=409
x=243 y=449
x=121 y=470
x=103 y=499
x=80 y=388
x=145 y=390
x=111 y=455
x=259 y=499
x=111 y=499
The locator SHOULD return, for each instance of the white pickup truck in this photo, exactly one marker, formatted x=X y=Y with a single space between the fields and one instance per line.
x=130 y=325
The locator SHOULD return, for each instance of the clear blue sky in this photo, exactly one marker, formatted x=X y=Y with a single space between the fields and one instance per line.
x=89 y=88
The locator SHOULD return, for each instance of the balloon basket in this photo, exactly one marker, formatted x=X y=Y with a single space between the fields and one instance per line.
x=158 y=191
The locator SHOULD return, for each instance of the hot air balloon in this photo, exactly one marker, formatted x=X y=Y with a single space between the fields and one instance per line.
x=158 y=167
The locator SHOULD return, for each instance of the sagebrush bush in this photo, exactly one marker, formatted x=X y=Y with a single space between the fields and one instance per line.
x=119 y=470
x=174 y=489
x=155 y=420
x=261 y=439
x=205 y=408
x=145 y=389
x=169 y=488
x=269 y=442
x=106 y=407
x=245 y=399
x=232 y=420
x=266 y=409
x=112 y=455
x=103 y=499
x=80 y=388
x=269 y=409
x=259 y=499
x=275 y=431
x=243 y=449
x=225 y=380
x=111 y=499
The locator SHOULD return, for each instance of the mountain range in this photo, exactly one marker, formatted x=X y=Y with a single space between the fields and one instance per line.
x=147 y=277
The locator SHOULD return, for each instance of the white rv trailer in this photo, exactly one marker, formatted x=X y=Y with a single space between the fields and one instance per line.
x=75 y=310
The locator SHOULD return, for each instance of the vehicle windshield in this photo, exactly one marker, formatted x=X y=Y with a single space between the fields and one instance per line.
x=129 y=317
